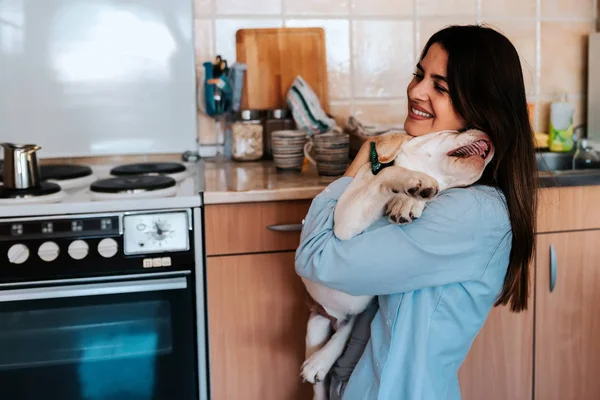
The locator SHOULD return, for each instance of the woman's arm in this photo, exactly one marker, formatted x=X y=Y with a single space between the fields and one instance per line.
x=453 y=241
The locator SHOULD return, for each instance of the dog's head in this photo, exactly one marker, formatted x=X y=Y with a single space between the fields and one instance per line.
x=454 y=159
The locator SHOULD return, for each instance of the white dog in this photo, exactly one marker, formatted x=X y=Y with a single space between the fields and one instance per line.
x=417 y=169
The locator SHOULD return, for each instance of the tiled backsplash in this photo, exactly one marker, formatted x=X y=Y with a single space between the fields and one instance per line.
x=372 y=46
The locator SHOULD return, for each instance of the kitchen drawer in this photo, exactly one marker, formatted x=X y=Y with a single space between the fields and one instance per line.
x=569 y=208
x=254 y=227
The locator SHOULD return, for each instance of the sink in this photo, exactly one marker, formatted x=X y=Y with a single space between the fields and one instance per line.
x=549 y=161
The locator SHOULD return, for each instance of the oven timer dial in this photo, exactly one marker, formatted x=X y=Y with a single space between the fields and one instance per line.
x=78 y=249
x=156 y=233
x=18 y=254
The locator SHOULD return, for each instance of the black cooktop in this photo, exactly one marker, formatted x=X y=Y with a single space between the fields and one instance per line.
x=44 y=189
x=127 y=184
x=63 y=172
x=147 y=168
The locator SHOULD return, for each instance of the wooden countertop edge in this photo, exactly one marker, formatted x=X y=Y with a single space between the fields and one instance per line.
x=305 y=193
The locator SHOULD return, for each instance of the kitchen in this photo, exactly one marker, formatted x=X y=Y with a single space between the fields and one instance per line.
x=235 y=224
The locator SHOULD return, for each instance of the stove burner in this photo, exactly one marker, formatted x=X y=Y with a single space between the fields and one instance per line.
x=64 y=172
x=45 y=189
x=147 y=168
x=132 y=184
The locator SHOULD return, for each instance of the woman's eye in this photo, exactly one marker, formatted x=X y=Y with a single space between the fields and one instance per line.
x=441 y=89
x=418 y=76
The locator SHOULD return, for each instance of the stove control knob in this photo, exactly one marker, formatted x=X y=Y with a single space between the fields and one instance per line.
x=108 y=247
x=48 y=251
x=18 y=254
x=78 y=249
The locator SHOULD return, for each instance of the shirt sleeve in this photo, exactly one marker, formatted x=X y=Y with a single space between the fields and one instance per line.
x=453 y=241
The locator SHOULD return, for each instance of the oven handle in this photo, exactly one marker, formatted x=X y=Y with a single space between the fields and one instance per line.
x=93 y=289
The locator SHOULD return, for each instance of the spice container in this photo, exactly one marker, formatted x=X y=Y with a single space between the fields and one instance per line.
x=247 y=136
x=276 y=120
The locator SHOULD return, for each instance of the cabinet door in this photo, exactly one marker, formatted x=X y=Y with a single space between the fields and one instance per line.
x=567 y=321
x=499 y=365
x=257 y=324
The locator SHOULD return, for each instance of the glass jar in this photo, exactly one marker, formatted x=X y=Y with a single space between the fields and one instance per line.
x=276 y=120
x=247 y=136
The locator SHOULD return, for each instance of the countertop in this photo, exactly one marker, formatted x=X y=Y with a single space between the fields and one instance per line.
x=246 y=182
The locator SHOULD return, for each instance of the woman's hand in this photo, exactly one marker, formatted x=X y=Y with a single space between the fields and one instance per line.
x=362 y=157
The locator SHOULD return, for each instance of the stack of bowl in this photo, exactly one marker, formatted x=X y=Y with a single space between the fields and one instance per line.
x=288 y=149
x=329 y=152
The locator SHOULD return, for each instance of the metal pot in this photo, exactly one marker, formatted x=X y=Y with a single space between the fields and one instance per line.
x=21 y=169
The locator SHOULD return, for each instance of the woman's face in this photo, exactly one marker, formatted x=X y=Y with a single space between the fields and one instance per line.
x=429 y=105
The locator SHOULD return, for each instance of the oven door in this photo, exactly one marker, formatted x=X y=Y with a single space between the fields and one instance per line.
x=113 y=339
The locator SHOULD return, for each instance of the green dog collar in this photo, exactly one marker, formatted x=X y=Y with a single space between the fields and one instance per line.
x=376 y=166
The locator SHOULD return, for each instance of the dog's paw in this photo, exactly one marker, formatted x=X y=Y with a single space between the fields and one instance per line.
x=421 y=186
x=410 y=183
x=316 y=367
x=402 y=209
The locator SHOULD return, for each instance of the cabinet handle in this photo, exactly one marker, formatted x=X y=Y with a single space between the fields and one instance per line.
x=285 y=228
x=552 y=268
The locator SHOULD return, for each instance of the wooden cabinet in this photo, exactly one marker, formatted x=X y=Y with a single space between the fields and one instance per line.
x=567 y=326
x=257 y=324
x=499 y=365
x=257 y=313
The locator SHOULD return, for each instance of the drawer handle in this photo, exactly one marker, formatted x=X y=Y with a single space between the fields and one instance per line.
x=553 y=267
x=285 y=228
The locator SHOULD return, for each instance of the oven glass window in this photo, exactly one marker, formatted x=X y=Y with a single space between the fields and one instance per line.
x=133 y=347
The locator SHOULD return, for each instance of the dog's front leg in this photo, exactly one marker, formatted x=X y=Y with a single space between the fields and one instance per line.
x=367 y=197
x=361 y=204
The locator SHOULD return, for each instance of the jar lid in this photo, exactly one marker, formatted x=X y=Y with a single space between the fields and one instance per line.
x=248 y=115
x=279 y=113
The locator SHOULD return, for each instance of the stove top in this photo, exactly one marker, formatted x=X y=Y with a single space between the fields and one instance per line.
x=71 y=189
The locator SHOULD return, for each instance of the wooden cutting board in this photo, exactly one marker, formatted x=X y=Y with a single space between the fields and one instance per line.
x=275 y=56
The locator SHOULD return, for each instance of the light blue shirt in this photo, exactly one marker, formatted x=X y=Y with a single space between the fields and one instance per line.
x=437 y=279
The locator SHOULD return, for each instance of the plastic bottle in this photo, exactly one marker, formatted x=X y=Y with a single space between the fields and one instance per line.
x=560 y=130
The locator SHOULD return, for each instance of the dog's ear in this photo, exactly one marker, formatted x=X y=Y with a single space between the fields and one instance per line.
x=388 y=146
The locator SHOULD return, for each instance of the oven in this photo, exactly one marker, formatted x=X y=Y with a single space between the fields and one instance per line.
x=117 y=315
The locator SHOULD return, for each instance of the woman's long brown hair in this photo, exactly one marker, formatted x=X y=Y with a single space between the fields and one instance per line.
x=486 y=87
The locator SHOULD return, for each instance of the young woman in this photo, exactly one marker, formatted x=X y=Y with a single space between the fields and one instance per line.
x=437 y=278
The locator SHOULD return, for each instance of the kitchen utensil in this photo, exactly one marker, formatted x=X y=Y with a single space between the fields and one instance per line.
x=21 y=169
x=288 y=149
x=275 y=57
x=329 y=152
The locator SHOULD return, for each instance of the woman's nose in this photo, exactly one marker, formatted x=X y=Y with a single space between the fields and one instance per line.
x=419 y=91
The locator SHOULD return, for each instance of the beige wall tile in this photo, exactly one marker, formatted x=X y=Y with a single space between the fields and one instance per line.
x=438 y=8
x=564 y=57
x=207 y=130
x=203 y=41
x=388 y=113
x=567 y=9
x=427 y=27
x=226 y=29
x=320 y=7
x=203 y=7
x=508 y=8
x=580 y=116
x=341 y=112
x=239 y=7
x=383 y=7
x=337 y=37
x=383 y=56
x=522 y=36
